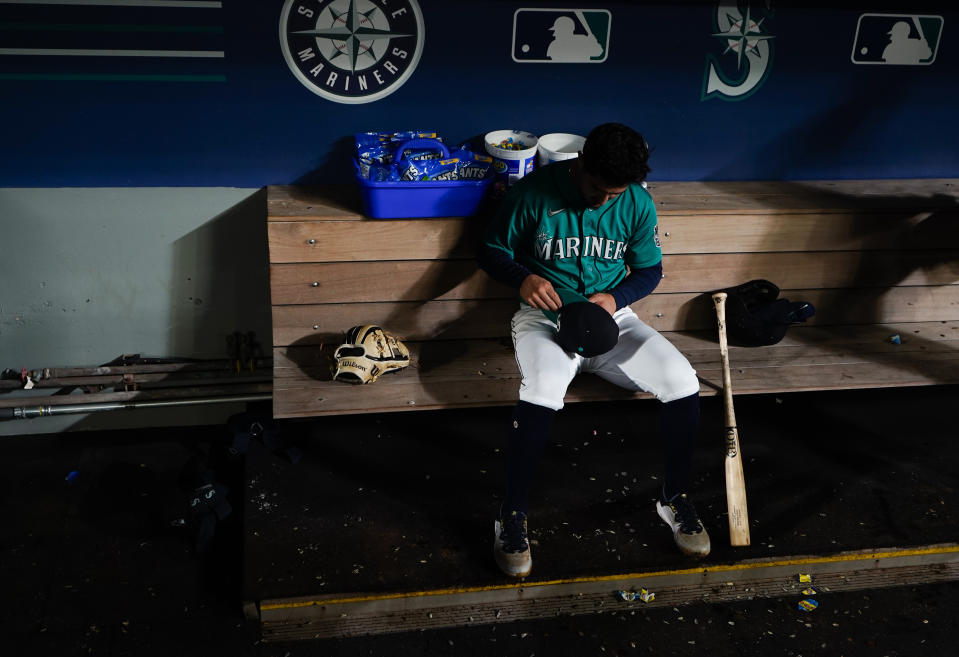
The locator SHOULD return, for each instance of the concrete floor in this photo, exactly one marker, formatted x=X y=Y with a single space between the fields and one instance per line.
x=404 y=502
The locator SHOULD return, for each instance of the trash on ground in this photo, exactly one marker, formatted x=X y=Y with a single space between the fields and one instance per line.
x=895 y=339
x=805 y=579
x=632 y=596
x=808 y=605
x=809 y=591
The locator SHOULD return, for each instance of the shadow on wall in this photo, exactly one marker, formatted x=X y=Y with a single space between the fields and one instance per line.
x=221 y=283
x=336 y=168
x=820 y=141
x=905 y=239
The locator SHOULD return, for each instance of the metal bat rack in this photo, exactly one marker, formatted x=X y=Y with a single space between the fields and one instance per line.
x=132 y=382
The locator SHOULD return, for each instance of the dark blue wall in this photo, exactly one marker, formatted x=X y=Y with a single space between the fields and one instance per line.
x=246 y=121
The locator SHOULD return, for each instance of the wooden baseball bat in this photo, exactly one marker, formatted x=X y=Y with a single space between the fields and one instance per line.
x=735 y=481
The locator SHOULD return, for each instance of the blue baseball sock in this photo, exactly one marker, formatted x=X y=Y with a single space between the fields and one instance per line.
x=528 y=435
x=679 y=428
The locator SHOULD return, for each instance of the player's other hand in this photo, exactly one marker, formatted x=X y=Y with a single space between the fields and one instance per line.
x=539 y=293
x=607 y=301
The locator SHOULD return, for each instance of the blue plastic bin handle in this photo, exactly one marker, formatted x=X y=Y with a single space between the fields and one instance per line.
x=425 y=143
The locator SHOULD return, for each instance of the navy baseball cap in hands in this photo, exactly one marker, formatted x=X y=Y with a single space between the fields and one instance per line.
x=585 y=328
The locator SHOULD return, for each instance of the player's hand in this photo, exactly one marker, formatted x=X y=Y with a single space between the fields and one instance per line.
x=539 y=293
x=607 y=301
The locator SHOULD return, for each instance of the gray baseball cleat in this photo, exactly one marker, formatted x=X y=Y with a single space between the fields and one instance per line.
x=511 y=546
x=688 y=532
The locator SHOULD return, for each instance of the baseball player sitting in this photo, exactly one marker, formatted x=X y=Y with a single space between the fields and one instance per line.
x=571 y=234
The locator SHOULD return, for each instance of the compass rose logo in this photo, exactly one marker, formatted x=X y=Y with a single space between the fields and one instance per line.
x=746 y=37
x=743 y=36
x=351 y=51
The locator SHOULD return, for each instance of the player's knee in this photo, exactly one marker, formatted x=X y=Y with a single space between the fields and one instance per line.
x=543 y=391
x=679 y=380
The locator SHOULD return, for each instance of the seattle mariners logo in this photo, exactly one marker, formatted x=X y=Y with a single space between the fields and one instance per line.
x=745 y=35
x=352 y=51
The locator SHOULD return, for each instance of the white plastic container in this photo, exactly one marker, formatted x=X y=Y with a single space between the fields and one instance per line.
x=558 y=146
x=511 y=165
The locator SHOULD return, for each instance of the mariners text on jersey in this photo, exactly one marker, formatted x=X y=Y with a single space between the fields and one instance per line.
x=595 y=247
x=545 y=225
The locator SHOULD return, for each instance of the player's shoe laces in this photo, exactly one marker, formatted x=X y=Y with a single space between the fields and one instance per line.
x=511 y=546
x=688 y=532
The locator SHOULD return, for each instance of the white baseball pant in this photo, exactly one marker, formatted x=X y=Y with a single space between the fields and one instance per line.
x=642 y=360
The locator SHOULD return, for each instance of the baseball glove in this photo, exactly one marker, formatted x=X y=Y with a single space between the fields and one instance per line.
x=368 y=352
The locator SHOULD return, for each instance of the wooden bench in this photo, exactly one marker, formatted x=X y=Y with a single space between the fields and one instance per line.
x=876 y=258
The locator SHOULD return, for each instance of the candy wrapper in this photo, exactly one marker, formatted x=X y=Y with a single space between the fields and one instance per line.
x=370 y=139
x=371 y=156
x=429 y=169
x=643 y=595
x=478 y=169
x=472 y=166
x=375 y=150
x=383 y=173
x=365 y=140
x=510 y=144
x=400 y=137
x=418 y=154
x=808 y=605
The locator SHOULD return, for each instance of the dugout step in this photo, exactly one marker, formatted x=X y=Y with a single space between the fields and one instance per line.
x=807 y=579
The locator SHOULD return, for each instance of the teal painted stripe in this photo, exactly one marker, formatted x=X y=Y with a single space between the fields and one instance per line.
x=87 y=52
x=111 y=77
x=167 y=4
x=68 y=27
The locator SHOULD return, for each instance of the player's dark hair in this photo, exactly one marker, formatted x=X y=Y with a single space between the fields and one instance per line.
x=616 y=154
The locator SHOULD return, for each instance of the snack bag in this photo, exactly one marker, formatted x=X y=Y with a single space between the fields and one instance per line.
x=429 y=169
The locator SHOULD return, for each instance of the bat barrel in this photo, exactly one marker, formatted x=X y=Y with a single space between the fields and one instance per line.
x=719 y=299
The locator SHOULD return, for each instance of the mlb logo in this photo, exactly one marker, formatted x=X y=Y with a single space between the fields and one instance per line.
x=561 y=36
x=897 y=39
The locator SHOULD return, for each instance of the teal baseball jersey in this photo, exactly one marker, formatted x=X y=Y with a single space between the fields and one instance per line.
x=545 y=225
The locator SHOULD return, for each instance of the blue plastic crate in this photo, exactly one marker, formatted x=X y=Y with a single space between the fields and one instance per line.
x=441 y=198
x=393 y=200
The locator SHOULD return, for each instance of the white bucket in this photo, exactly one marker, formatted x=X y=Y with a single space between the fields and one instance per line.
x=511 y=165
x=558 y=146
